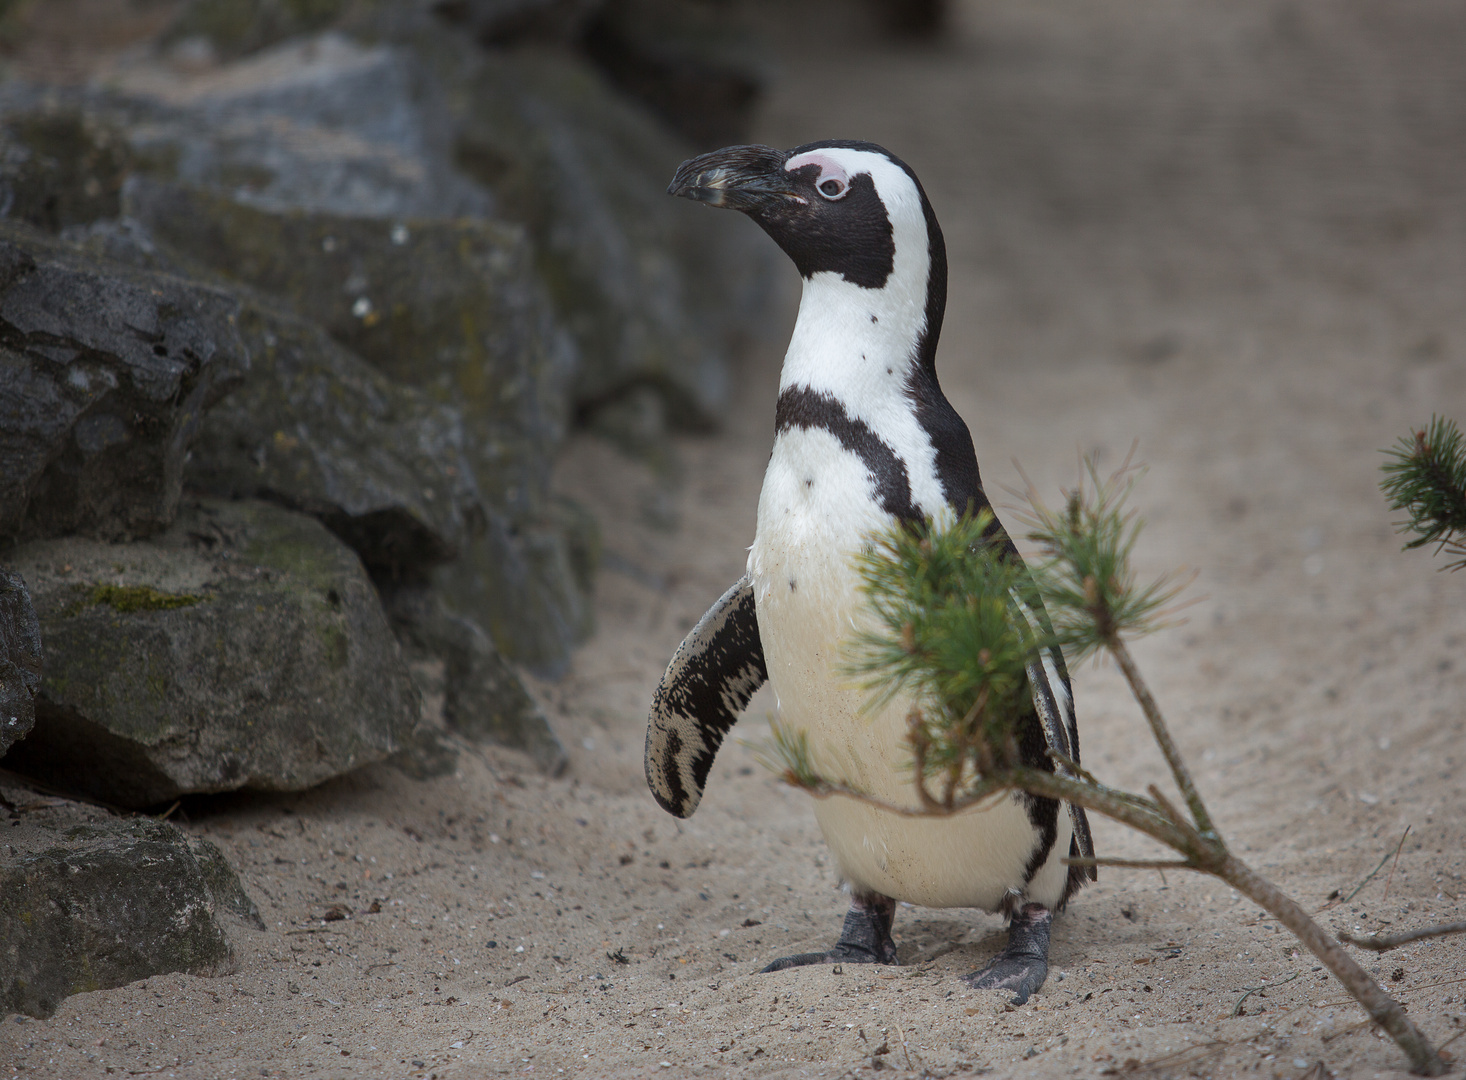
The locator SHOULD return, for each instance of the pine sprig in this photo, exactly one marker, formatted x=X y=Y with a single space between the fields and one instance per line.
x=946 y=632
x=1084 y=574
x=1425 y=477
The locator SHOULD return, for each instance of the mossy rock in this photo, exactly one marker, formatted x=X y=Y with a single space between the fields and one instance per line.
x=108 y=370
x=90 y=901
x=451 y=308
x=20 y=659
x=244 y=647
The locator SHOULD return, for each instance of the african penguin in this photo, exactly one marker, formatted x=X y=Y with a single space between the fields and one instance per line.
x=863 y=438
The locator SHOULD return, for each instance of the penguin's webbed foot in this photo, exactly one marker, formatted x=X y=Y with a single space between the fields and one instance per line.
x=1023 y=964
x=865 y=939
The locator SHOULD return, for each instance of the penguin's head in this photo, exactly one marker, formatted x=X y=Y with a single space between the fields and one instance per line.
x=851 y=210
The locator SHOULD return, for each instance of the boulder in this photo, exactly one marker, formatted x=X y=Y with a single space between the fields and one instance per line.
x=90 y=901
x=502 y=22
x=654 y=296
x=244 y=647
x=58 y=168
x=317 y=430
x=482 y=697
x=20 y=660
x=700 y=68
x=105 y=371
x=452 y=307
x=320 y=123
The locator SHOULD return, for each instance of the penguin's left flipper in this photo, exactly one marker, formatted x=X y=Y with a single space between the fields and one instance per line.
x=714 y=672
x=865 y=938
x=1023 y=964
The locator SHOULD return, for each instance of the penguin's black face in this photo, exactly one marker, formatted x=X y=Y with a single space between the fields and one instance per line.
x=829 y=205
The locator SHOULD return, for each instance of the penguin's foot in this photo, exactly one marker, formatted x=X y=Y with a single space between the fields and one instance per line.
x=866 y=938
x=1024 y=962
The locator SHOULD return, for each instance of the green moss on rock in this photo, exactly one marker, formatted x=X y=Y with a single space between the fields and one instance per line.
x=133 y=598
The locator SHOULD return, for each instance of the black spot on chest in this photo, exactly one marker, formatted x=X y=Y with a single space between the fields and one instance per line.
x=803 y=408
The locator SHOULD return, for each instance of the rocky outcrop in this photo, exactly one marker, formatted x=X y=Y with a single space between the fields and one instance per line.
x=244 y=647
x=105 y=373
x=90 y=901
x=20 y=660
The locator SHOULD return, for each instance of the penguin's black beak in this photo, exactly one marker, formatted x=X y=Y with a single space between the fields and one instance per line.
x=747 y=178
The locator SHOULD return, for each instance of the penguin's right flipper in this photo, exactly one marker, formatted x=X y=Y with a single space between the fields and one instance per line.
x=714 y=672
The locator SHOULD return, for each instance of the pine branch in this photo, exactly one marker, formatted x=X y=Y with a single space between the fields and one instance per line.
x=1425 y=477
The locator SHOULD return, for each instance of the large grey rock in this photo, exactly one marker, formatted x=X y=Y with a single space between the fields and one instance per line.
x=501 y=22
x=482 y=697
x=653 y=295
x=320 y=123
x=452 y=307
x=105 y=372
x=58 y=169
x=20 y=659
x=699 y=67
x=314 y=428
x=90 y=901
x=244 y=647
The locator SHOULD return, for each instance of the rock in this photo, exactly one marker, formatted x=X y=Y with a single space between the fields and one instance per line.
x=244 y=647
x=105 y=372
x=451 y=307
x=20 y=660
x=58 y=169
x=501 y=22
x=698 y=67
x=90 y=901
x=320 y=123
x=317 y=430
x=206 y=31
x=482 y=697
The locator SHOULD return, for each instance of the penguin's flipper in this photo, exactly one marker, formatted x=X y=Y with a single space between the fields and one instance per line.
x=714 y=672
x=1054 y=700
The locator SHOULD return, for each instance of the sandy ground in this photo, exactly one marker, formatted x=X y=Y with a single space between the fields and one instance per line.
x=1235 y=232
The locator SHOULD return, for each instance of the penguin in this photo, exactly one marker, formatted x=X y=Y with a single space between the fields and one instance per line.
x=863 y=438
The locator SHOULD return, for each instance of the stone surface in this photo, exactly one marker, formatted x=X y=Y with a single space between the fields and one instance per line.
x=481 y=696
x=105 y=371
x=452 y=307
x=699 y=67
x=316 y=429
x=59 y=169
x=500 y=22
x=20 y=659
x=89 y=901
x=245 y=647
x=653 y=295
x=320 y=123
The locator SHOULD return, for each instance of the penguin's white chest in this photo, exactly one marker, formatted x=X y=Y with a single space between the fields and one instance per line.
x=815 y=512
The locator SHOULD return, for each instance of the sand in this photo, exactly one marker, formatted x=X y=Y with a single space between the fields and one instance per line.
x=1235 y=232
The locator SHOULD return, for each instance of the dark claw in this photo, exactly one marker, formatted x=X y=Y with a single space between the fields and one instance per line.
x=1023 y=964
x=865 y=939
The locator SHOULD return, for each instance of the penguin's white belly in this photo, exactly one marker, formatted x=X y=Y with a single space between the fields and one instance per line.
x=814 y=513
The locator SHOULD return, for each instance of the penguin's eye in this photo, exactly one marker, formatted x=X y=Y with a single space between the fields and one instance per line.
x=832 y=188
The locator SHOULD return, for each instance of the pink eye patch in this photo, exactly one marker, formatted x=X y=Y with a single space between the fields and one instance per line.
x=833 y=181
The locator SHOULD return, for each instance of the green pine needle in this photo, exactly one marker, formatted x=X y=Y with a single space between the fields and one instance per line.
x=1425 y=477
x=947 y=632
x=1083 y=573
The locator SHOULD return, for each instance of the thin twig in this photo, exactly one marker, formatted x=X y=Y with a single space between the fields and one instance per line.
x=1138 y=687
x=1237 y=1008
x=1133 y=864
x=1384 y=942
x=1369 y=876
x=1398 y=847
